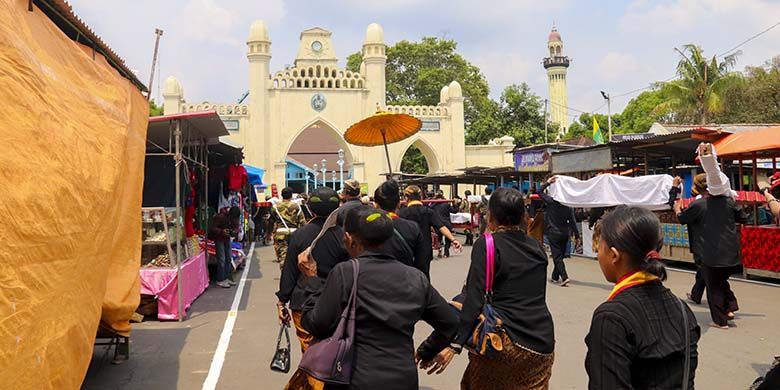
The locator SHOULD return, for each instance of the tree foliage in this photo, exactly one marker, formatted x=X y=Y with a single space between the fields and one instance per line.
x=697 y=94
x=417 y=71
x=154 y=109
x=756 y=98
x=518 y=113
x=414 y=161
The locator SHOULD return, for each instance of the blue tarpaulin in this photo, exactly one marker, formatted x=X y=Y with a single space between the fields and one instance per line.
x=255 y=175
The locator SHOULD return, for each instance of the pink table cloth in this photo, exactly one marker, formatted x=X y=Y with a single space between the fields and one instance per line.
x=162 y=283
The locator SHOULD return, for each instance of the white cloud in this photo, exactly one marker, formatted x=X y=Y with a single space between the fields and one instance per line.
x=618 y=66
x=502 y=68
x=225 y=23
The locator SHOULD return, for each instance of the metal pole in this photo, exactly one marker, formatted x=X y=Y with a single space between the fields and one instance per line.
x=177 y=159
x=609 y=115
x=158 y=33
x=545 y=120
x=754 y=184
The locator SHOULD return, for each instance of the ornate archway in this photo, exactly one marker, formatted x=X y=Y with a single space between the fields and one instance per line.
x=315 y=142
x=431 y=158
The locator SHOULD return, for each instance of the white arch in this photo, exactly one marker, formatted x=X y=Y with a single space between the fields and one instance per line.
x=431 y=157
x=324 y=124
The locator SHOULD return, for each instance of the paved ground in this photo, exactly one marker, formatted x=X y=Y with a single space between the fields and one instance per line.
x=172 y=355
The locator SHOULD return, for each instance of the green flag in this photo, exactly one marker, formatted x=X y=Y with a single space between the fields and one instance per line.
x=598 y=136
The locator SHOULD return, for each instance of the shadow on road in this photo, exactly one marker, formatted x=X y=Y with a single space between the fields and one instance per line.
x=150 y=350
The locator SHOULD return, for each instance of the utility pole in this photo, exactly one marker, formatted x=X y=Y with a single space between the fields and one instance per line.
x=158 y=33
x=545 y=120
x=609 y=113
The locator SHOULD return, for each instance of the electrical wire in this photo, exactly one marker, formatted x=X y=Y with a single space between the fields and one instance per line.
x=727 y=52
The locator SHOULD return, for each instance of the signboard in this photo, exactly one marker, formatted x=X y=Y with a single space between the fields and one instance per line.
x=430 y=126
x=231 y=125
x=588 y=160
x=532 y=161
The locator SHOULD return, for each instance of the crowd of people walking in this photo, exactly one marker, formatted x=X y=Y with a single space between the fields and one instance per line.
x=356 y=278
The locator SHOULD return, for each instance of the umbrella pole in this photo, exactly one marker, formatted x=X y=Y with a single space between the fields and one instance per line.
x=387 y=154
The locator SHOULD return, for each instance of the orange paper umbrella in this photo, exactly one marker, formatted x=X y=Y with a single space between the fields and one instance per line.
x=383 y=128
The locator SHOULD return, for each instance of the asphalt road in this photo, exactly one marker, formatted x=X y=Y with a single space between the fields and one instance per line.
x=173 y=355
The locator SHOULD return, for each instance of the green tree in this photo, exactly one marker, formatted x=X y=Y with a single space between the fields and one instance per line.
x=698 y=92
x=414 y=161
x=416 y=72
x=642 y=111
x=154 y=109
x=756 y=99
x=583 y=126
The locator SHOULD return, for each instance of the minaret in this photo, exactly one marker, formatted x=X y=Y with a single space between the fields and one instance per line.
x=259 y=55
x=374 y=60
x=556 y=65
x=172 y=96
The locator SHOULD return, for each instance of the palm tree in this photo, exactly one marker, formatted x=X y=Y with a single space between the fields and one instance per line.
x=698 y=91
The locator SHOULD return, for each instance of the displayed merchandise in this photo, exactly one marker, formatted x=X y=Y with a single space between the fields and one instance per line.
x=159 y=239
x=609 y=190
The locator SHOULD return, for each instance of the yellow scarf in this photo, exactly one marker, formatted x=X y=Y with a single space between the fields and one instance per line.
x=630 y=280
x=414 y=203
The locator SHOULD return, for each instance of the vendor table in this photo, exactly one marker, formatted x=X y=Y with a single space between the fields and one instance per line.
x=162 y=283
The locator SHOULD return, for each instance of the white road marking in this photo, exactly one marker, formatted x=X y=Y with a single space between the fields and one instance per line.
x=227 y=331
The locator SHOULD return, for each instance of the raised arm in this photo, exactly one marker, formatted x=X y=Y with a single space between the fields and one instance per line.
x=717 y=182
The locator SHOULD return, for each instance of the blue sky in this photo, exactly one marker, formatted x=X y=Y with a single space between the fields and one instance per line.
x=616 y=46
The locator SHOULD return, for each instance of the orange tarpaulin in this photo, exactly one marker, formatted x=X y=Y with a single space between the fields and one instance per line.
x=72 y=139
x=745 y=143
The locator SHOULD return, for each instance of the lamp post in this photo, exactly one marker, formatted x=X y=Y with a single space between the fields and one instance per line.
x=608 y=98
x=316 y=172
x=341 y=168
x=323 y=170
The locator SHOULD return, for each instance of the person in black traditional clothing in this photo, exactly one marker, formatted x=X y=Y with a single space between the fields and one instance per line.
x=637 y=338
x=426 y=219
x=519 y=298
x=329 y=251
x=694 y=226
x=559 y=225
x=350 y=198
x=443 y=210
x=407 y=244
x=385 y=315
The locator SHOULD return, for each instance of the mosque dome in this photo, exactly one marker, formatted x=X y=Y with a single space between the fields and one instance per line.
x=258 y=31
x=554 y=36
x=454 y=89
x=172 y=86
x=444 y=95
x=375 y=34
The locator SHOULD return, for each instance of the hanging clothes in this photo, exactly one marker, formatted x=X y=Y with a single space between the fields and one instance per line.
x=237 y=177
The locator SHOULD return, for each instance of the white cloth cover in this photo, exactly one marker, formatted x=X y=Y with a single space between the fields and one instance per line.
x=460 y=218
x=650 y=192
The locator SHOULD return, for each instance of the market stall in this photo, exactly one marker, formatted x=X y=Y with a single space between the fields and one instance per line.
x=760 y=253
x=174 y=270
x=73 y=126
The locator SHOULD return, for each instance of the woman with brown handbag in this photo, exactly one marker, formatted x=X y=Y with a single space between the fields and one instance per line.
x=523 y=341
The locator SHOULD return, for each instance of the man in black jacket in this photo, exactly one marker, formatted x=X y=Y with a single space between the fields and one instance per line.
x=559 y=225
x=443 y=210
x=329 y=251
x=694 y=229
x=717 y=241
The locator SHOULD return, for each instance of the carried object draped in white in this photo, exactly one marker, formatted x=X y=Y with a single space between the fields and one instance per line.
x=717 y=182
x=651 y=192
